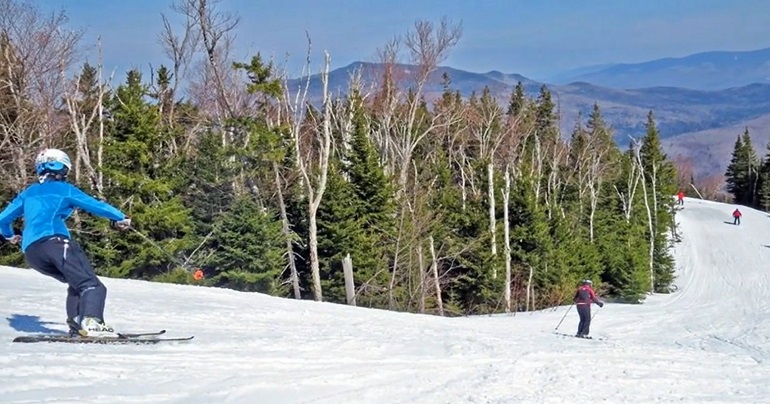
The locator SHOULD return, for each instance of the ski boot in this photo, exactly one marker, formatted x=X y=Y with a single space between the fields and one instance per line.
x=94 y=327
x=74 y=326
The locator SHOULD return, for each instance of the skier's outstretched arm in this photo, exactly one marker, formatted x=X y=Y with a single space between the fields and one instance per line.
x=9 y=215
x=596 y=299
x=92 y=205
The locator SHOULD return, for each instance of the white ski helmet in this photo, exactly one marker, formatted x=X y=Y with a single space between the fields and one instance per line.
x=52 y=161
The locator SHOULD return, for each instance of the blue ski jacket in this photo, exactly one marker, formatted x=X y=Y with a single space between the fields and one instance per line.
x=45 y=207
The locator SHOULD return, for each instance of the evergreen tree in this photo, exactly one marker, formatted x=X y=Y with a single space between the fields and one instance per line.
x=247 y=249
x=742 y=172
x=763 y=197
x=518 y=100
x=141 y=184
x=660 y=176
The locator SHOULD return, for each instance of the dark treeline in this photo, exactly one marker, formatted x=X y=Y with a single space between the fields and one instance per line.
x=445 y=204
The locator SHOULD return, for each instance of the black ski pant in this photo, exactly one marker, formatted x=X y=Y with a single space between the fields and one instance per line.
x=62 y=259
x=584 y=311
x=736 y=220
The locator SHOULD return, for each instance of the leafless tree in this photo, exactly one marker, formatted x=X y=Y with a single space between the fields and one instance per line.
x=427 y=46
x=82 y=120
x=685 y=171
x=632 y=183
x=596 y=172
x=506 y=192
x=313 y=162
x=180 y=47
x=36 y=52
x=650 y=221
x=436 y=279
x=214 y=85
x=484 y=117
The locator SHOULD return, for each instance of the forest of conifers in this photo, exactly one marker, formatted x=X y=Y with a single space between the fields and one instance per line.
x=445 y=204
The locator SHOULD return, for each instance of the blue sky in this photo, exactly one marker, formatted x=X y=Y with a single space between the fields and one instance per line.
x=536 y=38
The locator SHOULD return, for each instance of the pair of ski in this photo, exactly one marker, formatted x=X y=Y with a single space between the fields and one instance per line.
x=121 y=338
x=561 y=334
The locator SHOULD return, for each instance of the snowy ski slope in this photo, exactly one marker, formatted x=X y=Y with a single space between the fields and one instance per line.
x=706 y=343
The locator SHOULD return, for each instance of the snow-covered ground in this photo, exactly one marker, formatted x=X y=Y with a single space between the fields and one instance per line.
x=708 y=342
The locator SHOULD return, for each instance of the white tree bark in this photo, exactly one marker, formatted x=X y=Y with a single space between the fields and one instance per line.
x=423 y=289
x=350 y=288
x=285 y=227
x=492 y=219
x=315 y=194
x=649 y=219
x=529 y=287
x=81 y=123
x=436 y=279
x=506 y=234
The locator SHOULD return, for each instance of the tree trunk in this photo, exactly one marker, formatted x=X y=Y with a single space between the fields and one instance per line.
x=322 y=175
x=287 y=234
x=529 y=286
x=391 y=299
x=649 y=223
x=491 y=192
x=350 y=288
x=423 y=289
x=506 y=235
x=315 y=268
x=434 y=267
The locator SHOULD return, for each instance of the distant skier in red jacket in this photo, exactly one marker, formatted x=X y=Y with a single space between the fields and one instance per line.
x=737 y=216
x=584 y=296
x=680 y=198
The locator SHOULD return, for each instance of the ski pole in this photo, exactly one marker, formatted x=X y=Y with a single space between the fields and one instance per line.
x=154 y=244
x=595 y=313
x=565 y=315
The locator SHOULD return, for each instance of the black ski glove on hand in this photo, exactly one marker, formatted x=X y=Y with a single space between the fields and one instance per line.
x=601 y=304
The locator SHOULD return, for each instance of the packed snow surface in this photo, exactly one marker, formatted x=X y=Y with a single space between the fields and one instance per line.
x=707 y=342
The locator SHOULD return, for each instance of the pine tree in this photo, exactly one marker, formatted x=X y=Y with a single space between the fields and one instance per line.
x=518 y=100
x=742 y=172
x=140 y=181
x=764 y=181
x=660 y=177
x=247 y=248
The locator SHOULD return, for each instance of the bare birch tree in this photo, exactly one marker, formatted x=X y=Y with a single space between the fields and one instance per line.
x=36 y=51
x=506 y=192
x=486 y=129
x=313 y=162
x=427 y=46
x=83 y=117
x=650 y=222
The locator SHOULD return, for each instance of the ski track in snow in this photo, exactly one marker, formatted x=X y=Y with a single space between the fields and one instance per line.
x=707 y=342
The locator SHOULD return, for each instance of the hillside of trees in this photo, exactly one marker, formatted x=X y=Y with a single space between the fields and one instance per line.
x=454 y=206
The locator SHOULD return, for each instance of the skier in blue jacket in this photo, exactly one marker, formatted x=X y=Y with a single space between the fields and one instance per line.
x=48 y=246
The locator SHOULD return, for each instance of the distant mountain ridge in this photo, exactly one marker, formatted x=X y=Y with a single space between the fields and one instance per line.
x=695 y=122
x=677 y=110
x=713 y=70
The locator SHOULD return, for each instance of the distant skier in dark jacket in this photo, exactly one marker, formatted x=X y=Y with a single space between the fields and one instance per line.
x=737 y=216
x=584 y=296
x=48 y=246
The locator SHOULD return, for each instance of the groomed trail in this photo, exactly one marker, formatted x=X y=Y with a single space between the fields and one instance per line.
x=708 y=342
